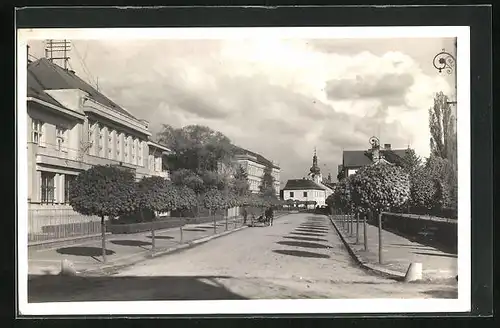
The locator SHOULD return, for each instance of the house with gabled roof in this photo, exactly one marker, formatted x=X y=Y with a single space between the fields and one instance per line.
x=313 y=189
x=353 y=160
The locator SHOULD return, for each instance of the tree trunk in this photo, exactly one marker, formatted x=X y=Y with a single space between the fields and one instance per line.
x=215 y=223
x=357 y=228
x=380 y=255
x=103 y=235
x=226 y=214
x=153 y=232
x=365 y=236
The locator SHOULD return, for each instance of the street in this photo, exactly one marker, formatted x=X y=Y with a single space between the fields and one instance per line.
x=300 y=256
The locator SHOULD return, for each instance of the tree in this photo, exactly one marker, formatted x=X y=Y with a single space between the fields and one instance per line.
x=423 y=189
x=441 y=125
x=214 y=200
x=188 y=178
x=240 y=183
x=195 y=147
x=153 y=194
x=410 y=161
x=267 y=184
x=104 y=191
x=379 y=187
x=444 y=178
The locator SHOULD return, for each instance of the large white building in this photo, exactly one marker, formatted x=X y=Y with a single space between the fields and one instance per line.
x=311 y=189
x=255 y=165
x=71 y=127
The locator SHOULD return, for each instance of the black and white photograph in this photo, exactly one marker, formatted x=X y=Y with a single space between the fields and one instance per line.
x=245 y=170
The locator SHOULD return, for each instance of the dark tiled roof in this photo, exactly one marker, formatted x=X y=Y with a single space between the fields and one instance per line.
x=299 y=184
x=260 y=159
x=357 y=158
x=45 y=75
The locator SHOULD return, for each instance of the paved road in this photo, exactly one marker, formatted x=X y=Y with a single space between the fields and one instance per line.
x=301 y=256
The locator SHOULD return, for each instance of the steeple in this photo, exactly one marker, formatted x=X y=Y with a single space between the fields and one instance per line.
x=315 y=168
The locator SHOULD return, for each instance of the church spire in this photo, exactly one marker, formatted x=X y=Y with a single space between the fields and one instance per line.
x=315 y=168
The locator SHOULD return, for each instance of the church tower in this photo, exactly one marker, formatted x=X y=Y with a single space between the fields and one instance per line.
x=314 y=171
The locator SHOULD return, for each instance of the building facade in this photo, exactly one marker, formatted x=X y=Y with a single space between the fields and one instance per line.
x=304 y=190
x=314 y=188
x=72 y=127
x=255 y=166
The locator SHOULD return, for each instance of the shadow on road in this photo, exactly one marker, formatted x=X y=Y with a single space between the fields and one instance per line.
x=439 y=293
x=313 y=226
x=319 y=232
x=301 y=253
x=435 y=254
x=83 y=251
x=160 y=237
x=312 y=229
x=307 y=239
x=194 y=229
x=136 y=243
x=129 y=288
x=301 y=244
x=302 y=233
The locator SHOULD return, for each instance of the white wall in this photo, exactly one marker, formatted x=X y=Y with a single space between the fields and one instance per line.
x=318 y=195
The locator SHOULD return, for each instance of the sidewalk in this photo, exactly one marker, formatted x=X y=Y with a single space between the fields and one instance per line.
x=398 y=252
x=123 y=249
x=127 y=249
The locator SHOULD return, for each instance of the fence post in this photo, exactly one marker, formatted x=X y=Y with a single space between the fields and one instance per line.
x=181 y=235
x=365 y=236
x=357 y=228
x=380 y=256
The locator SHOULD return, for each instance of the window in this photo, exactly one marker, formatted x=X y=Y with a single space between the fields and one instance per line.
x=60 y=137
x=68 y=180
x=36 y=127
x=139 y=154
x=305 y=193
x=291 y=194
x=48 y=188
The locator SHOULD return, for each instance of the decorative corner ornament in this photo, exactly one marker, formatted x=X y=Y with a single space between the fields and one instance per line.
x=444 y=61
x=374 y=142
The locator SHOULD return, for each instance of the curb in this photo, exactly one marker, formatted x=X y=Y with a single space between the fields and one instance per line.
x=386 y=273
x=137 y=258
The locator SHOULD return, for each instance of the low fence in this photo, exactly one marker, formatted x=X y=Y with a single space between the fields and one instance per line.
x=164 y=223
x=50 y=224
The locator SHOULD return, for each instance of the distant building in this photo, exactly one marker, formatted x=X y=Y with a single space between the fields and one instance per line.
x=254 y=164
x=353 y=160
x=314 y=188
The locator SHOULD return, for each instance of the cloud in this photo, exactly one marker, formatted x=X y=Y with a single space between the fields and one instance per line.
x=280 y=98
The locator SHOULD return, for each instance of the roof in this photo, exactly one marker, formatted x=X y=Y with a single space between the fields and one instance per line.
x=260 y=159
x=45 y=75
x=357 y=158
x=301 y=184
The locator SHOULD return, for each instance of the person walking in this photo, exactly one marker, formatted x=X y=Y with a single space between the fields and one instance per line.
x=245 y=215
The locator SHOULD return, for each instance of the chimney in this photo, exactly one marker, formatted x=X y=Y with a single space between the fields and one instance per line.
x=376 y=153
x=387 y=146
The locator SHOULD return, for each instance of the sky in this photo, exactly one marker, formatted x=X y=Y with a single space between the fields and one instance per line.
x=277 y=97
